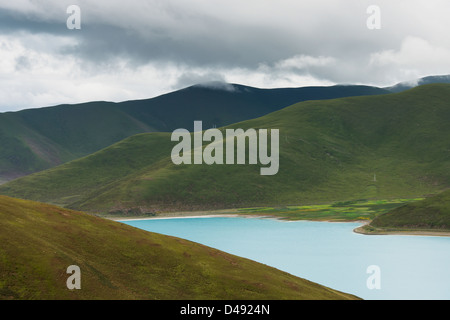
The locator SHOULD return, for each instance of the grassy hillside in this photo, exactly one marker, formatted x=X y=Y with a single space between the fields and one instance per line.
x=37 y=139
x=39 y=242
x=372 y=147
x=429 y=214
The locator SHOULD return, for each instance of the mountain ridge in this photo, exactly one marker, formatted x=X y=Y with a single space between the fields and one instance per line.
x=32 y=140
x=329 y=151
x=406 y=85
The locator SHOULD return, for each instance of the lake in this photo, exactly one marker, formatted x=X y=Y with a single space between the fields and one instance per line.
x=329 y=253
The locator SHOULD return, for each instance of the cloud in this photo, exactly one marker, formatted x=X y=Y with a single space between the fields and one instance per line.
x=218 y=85
x=207 y=78
x=138 y=49
x=302 y=62
x=415 y=58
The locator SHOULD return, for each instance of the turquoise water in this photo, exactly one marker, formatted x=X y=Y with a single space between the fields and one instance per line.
x=410 y=267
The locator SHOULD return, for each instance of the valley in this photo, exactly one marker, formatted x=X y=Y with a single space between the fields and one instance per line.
x=330 y=151
x=183 y=151
x=380 y=160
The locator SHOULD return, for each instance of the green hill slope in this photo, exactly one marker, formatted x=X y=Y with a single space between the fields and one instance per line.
x=36 y=139
x=371 y=147
x=431 y=214
x=39 y=242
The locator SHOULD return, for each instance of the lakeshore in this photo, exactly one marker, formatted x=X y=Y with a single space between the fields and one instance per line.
x=397 y=232
x=234 y=213
x=330 y=254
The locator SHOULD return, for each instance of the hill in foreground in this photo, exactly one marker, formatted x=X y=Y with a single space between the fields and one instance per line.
x=373 y=147
x=38 y=242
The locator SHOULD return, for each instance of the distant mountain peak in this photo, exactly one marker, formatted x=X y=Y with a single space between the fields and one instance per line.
x=217 y=85
x=409 y=84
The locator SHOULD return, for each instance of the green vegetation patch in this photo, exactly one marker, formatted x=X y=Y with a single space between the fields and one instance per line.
x=338 y=211
x=432 y=213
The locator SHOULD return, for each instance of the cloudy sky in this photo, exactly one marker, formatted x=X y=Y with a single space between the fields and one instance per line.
x=138 y=49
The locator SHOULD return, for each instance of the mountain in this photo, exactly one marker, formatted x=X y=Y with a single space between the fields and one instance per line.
x=36 y=139
x=116 y=261
x=369 y=147
x=406 y=85
x=431 y=214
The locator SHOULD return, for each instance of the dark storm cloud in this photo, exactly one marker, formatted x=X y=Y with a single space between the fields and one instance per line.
x=224 y=46
x=100 y=41
x=195 y=39
x=167 y=44
x=13 y=21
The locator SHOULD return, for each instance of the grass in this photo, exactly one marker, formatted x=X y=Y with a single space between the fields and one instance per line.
x=39 y=241
x=339 y=211
x=37 y=139
x=330 y=151
x=430 y=214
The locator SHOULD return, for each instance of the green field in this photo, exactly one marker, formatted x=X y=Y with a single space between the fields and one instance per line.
x=358 y=210
x=39 y=242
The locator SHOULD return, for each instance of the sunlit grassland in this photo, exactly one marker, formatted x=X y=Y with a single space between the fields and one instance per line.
x=339 y=211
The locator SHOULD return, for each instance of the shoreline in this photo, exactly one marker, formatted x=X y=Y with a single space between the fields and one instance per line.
x=194 y=215
x=231 y=214
x=179 y=217
x=423 y=233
